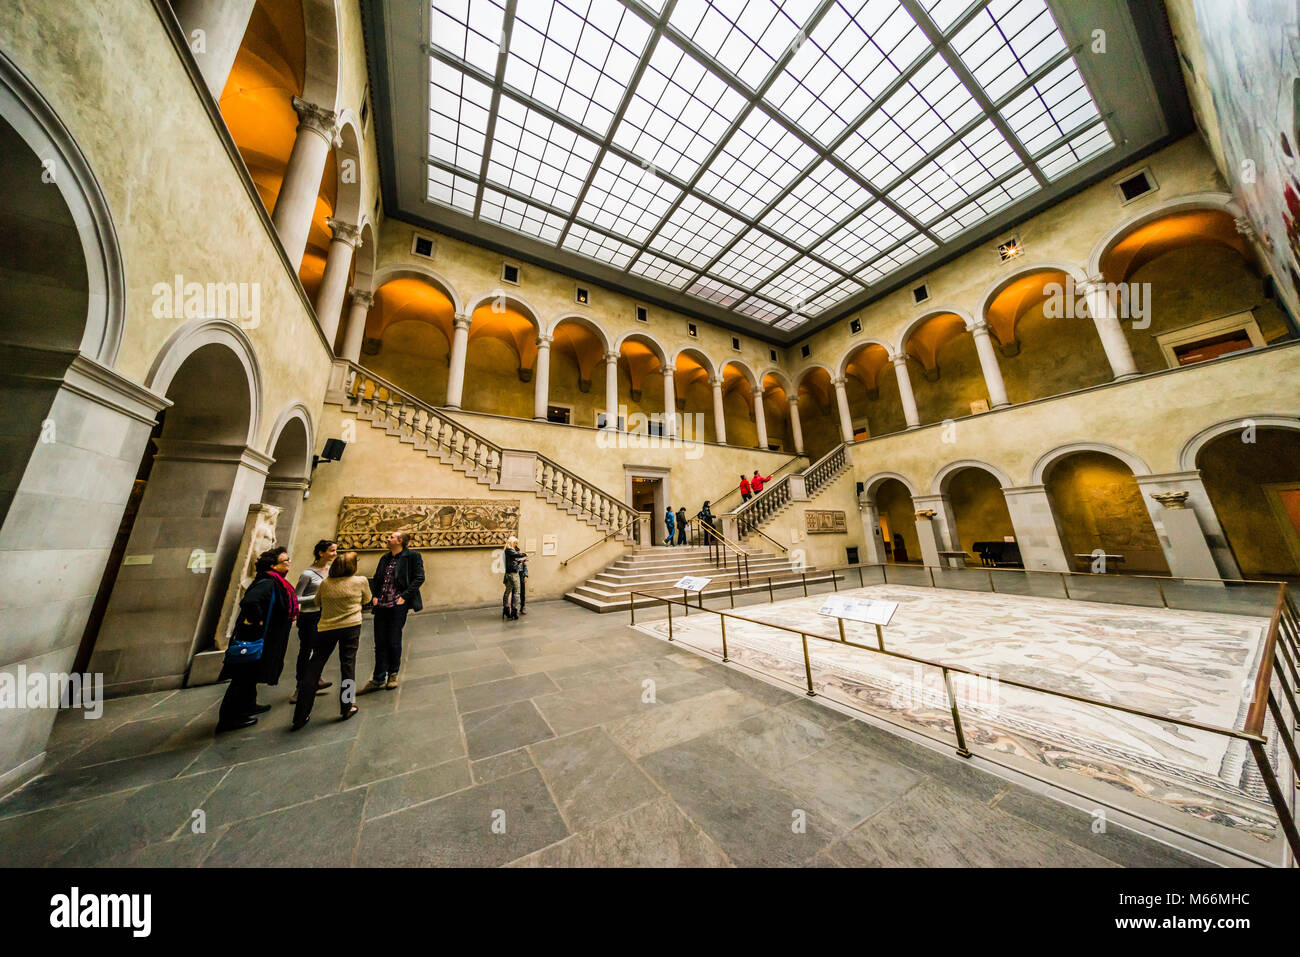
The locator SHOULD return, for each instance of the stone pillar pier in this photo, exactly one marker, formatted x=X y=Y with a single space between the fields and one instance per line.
x=670 y=404
x=944 y=525
x=795 y=427
x=1196 y=501
x=1102 y=311
x=611 y=391
x=905 y=393
x=334 y=284
x=297 y=200
x=760 y=417
x=1036 y=530
x=223 y=24
x=842 y=403
x=928 y=532
x=989 y=365
x=871 y=534
x=542 y=378
x=1184 y=544
x=355 y=333
x=459 y=348
x=719 y=414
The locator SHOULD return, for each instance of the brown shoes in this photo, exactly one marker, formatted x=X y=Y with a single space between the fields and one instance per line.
x=392 y=682
x=372 y=685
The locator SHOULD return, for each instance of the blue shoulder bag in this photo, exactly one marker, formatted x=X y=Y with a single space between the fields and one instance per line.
x=242 y=650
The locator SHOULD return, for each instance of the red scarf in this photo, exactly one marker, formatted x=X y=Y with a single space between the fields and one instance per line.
x=288 y=590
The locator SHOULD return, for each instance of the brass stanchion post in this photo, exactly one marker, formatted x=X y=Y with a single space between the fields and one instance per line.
x=807 y=666
x=731 y=594
x=956 y=718
x=723 y=619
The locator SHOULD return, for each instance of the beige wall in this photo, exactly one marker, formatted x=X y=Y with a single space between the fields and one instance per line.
x=1235 y=475
x=378 y=465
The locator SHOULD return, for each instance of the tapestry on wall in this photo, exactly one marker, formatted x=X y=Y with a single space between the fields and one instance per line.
x=364 y=523
x=1252 y=52
x=825 y=522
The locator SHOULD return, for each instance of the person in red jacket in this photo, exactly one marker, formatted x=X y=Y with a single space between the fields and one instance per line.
x=757 y=482
x=745 y=493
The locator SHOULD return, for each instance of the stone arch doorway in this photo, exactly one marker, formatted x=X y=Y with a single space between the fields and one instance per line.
x=202 y=476
x=1097 y=504
x=977 y=510
x=290 y=472
x=1252 y=478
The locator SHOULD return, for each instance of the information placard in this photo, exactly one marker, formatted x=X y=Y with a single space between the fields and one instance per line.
x=873 y=611
x=690 y=583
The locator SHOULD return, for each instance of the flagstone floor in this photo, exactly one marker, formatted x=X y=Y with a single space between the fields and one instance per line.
x=563 y=739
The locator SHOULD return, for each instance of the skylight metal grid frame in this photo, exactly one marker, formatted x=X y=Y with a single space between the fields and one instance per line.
x=763 y=211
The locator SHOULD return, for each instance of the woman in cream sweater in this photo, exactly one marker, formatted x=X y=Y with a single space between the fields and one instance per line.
x=342 y=597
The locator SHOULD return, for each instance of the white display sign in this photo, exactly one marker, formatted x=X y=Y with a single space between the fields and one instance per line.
x=548 y=545
x=690 y=583
x=873 y=611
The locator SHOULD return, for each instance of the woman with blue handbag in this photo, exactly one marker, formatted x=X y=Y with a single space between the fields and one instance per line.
x=261 y=637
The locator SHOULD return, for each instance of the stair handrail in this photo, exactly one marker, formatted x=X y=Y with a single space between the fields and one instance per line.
x=600 y=541
x=783 y=482
x=593 y=503
x=718 y=545
x=784 y=467
x=830 y=462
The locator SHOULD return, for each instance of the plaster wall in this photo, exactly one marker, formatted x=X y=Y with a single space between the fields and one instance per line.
x=378 y=465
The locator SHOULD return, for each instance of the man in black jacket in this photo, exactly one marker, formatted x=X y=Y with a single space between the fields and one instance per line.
x=396 y=590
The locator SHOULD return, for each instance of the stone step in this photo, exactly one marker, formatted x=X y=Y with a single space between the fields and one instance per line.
x=666 y=582
x=624 y=602
x=608 y=577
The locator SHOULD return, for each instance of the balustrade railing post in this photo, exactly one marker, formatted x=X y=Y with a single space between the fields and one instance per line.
x=807 y=666
x=956 y=718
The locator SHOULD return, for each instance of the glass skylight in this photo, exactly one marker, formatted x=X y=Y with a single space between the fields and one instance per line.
x=743 y=152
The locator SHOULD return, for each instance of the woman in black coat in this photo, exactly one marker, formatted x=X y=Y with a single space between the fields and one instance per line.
x=266 y=611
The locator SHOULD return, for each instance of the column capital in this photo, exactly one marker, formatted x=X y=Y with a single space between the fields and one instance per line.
x=758 y=392
x=315 y=118
x=361 y=297
x=668 y=371
x=839 y=381
x=1091 y=284
x=343 y=232
x=792 y=400
x=715 y=381
x=611 y=357
x=899 y=359
x=979 y=328
x=462 y=320
x=1245 y=227
x=544 y=341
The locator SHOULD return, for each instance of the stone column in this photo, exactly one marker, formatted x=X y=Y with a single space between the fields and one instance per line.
x=795 y=427
x=943 y=525
x=670 y=404
x=334 y=284
x=719 y=413
x=297 y=200
x=223 y=23
x=928 y=532
x=842 y=403
x=542 y=378
x=871 y=534
x=1102 y=311
x=611 y=391
x=1181 y=538
x=760 y=417
x=459 y=347
x=989 y=365
x=355 y=333
x=1036 y=530
x=1197 y=501
x=905 y=390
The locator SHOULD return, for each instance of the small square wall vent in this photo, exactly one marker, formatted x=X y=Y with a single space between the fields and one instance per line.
x=805 y=351
x=921 y=293
x=772 y=353
x=855 y=326
x=422 y=246
x=1132 y=187
x=510 y=273
x=1011 y=249
x=642 y=314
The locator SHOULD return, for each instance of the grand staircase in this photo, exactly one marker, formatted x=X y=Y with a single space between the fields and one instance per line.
x=656 y=568
x=781 y=494
x=427 y=429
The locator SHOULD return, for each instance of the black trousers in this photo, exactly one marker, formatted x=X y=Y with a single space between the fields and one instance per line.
x=348 y=640
x=523 y=591
x=389 y=623
x=241 y=694
x=307 y=622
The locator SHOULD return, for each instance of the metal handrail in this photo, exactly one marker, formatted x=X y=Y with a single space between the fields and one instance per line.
x=793 y=460
x=601 y=541
x=1252 y=734
x=759 y=531
x=716 y=542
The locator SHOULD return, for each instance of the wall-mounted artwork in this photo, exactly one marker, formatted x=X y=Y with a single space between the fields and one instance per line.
x=822 y=521
x=365 y=523
x=1252 y=53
